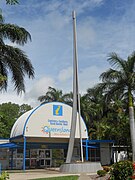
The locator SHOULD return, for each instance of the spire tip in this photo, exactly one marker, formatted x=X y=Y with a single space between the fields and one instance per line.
x=73 y=14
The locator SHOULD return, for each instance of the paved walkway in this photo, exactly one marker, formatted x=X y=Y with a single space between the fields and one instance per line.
x=42 y=173
x=34 y=174
x=84 y=177
x=28 y=176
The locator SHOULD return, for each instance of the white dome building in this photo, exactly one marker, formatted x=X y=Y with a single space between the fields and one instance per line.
x=42 y=129
x=50 y=120
x=40 y=137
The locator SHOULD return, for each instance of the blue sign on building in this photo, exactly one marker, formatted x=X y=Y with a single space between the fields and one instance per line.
x=57 y=110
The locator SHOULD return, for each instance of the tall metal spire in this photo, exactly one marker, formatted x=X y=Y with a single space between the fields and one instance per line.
x=76 y=98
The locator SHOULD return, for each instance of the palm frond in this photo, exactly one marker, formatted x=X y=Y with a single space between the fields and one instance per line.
x=43 y=99
x=18 y=64
x=1 y=17
x=4 y=73
x=12 y=2
x=131 y=63
x=14 y=33
x=24 y=62
x=102 y=87
x=113 y=89
x=111 y=75
x=68 y=98
x=116 y=61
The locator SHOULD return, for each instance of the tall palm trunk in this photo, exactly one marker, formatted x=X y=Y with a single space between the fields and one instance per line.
x=132 y=130
x=132 y=124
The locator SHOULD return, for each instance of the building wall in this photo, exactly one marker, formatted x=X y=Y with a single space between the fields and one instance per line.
x=4 y=155
x=4 y=141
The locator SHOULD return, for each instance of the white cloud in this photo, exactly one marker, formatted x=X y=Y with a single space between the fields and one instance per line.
x=80 y=6
x=39 y=88
x=30 y=8
x=65 y=74
x=33 y=91
x=89 y=77
x=11 y=96
x=86 y=35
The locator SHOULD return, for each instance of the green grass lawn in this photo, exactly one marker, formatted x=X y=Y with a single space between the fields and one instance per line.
x=60 y=178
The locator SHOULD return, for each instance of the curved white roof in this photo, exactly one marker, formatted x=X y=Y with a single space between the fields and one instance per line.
x=47 y=120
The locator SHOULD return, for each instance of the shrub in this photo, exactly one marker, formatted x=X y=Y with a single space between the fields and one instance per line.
x=132 y=177
x=134 y=166
x=106 y=168
x=101 y=173
x=122 y=170
x=4 y=176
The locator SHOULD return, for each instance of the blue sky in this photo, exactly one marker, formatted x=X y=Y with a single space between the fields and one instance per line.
x=103 y=26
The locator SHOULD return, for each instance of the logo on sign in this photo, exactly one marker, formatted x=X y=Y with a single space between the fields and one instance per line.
x=57 y=110
x=45 y=130
x=60 y=130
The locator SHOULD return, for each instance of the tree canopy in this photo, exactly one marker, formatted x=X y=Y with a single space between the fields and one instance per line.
x=14 y=62
x=12 y=59
x=12 y=2
x=120 y=80
x=9 y=113
x=104 y=121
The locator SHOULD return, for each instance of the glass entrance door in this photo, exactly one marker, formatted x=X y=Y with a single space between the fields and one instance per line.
x=41 y=157
x=48 y=157
x=44 y=158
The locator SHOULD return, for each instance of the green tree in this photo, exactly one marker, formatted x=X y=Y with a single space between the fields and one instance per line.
x=12 y=2
x=12 y=59
x=114 y=125
x=3 y=129
x=9 y=113
x=104 y=121
x=121 y=80
x=92 y=110
x=54 y=95
x=2 y=79
x=24 y=108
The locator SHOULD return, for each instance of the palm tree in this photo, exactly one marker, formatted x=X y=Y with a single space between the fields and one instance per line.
x=121 y=80
x=12 y=2
x=92 y=108
x=13 y=60
x=68 y=98
x=95 y=100
x=51 y=96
